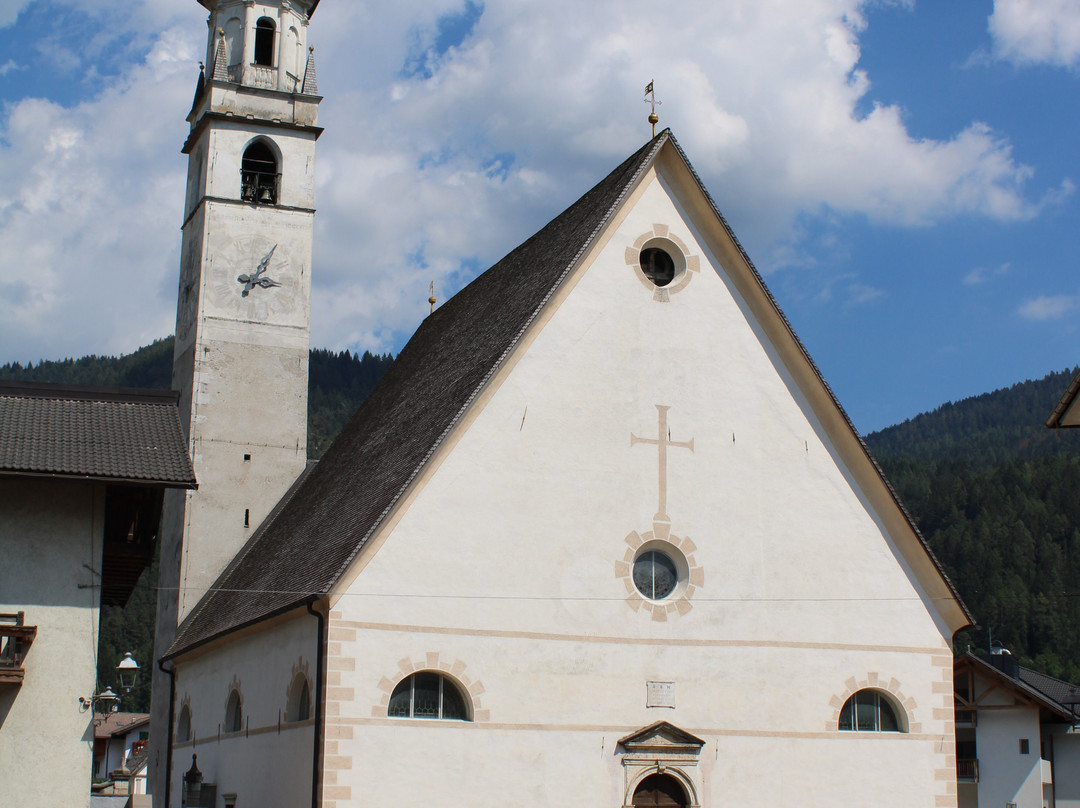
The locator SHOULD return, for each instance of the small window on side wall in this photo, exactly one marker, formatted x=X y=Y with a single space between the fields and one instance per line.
x=869 y=711
x=428 y=695
x=299 y=707
x=183 y=725
x=234 y=712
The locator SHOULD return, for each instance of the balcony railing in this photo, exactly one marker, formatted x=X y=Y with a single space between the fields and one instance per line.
x=264 y=77
x=15 y=640
x=967 y=771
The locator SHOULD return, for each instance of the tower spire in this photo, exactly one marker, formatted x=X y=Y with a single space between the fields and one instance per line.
x=650 y=98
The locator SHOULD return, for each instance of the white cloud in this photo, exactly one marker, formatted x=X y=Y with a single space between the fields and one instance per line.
x=1037 y=31
x=1049 y=307
x=8 y=66
x=435 y=173
x=980 y=275
x=9 y=11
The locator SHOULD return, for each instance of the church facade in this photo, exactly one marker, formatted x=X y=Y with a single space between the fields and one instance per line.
x=602 y=533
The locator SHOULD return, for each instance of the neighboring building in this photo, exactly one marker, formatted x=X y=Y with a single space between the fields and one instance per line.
x=82 y=474
x=602 y=530
x=118 y=739
x=1017 y=735
x=1067 y=411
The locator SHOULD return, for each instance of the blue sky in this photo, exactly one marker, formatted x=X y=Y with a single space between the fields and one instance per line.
x=902 y=173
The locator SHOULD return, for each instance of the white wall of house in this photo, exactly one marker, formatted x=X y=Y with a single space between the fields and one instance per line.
x=505 y=572
x=1009 y=776
x=52 y=531
x=1066 y=741
x=269 y=761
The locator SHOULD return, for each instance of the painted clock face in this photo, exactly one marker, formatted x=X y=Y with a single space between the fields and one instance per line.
x=254 y=278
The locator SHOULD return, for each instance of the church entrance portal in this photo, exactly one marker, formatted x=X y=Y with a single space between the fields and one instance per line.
x=659 y=791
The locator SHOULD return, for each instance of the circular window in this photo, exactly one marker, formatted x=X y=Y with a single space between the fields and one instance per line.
x=655 y=575
x=658 y=266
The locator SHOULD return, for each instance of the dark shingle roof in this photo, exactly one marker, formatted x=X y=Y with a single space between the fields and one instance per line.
x=404 y=420
x=108 y=434
x=1063 y=406
x=1059 y=691
x=397 y=428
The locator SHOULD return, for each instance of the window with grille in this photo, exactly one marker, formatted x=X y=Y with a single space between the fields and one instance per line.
x=869 y=711
x=428 y=695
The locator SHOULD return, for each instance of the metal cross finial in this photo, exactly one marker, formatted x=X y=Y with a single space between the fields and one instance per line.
x=650 y=98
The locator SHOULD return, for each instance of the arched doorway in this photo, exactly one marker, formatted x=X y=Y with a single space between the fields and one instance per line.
x=659 y=791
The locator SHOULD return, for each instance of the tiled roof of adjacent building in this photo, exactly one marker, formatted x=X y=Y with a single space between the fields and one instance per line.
x=1061 y=692
x=109 y=724
x=1065 y=413
x=424 y=394
x=106 y=434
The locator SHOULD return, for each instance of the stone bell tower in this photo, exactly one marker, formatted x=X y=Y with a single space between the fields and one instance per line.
x=243 y=307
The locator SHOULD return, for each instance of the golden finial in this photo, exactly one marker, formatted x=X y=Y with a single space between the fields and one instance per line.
x=221 y=32
x=431 y=299
x=650 y=98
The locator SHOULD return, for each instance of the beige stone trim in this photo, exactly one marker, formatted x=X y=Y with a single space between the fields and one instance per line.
x=662 y=294
x=673 y=641
x=875 y=681
x=454 y=669
x=622 y=729
x=679 y=602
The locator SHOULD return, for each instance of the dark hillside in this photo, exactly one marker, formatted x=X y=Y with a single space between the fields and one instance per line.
x=986 y=429
x=998 y=498
x=337 y=382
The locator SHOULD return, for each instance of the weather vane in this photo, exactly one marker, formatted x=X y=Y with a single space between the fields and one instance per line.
x=431 y=299
x=650 y=98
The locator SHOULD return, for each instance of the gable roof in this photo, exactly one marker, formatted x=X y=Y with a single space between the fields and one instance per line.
x=93 y=433
x=423 y=395
x=1067 y=411
x=1057 y=696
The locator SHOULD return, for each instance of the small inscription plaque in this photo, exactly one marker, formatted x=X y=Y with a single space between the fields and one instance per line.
x=660 y=694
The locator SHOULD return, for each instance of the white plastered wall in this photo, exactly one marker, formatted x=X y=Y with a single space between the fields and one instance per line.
x=269 y=761
x=1066 y=742
x=1005 y=775
x=504 y=571
x=49 y=531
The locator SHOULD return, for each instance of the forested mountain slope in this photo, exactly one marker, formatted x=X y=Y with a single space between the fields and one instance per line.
x=998 y=498
x=337 y=382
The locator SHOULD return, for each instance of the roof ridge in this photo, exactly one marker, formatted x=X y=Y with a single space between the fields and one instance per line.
x=87 y=392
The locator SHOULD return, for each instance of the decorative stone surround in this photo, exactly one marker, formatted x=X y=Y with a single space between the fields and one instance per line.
x=454 y=669
x=874 y=681
x=662 y=294
x=678 y=603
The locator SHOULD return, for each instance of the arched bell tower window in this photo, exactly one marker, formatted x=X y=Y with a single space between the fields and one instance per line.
x=259 y=174
x=659 y=791
x=264 y=42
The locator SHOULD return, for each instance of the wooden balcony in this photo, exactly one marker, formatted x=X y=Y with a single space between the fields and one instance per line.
x=15 y=640
x=967 y=771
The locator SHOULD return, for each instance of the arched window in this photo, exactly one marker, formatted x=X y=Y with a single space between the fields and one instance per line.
x=659 y=791
x=264 y=42
x=869 y=711
x=234 y=712
x=299 y=706
x=259 y=174
x=428 y=695
x=183 y=725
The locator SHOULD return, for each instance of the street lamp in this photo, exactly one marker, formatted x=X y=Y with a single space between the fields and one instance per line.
x=129 y=673
x=107 y=701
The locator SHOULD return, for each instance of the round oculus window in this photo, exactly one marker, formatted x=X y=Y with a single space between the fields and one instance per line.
x=657 y=265
x=655 y=575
